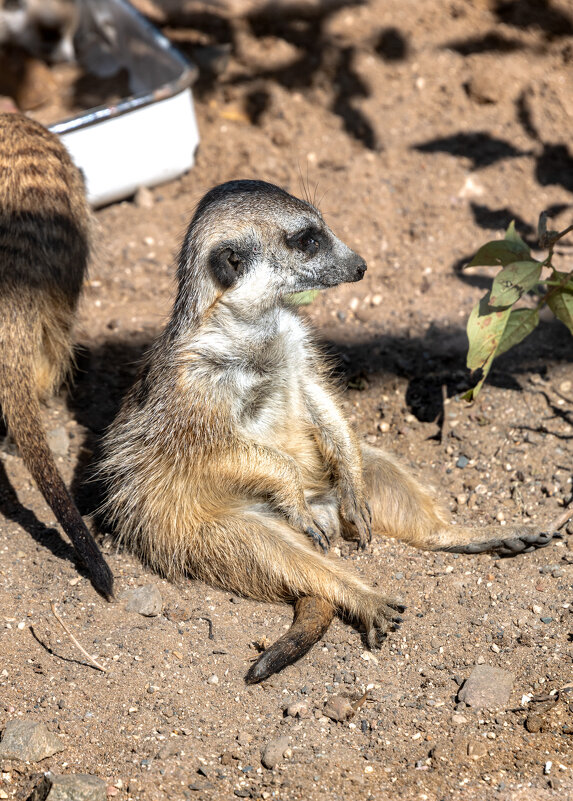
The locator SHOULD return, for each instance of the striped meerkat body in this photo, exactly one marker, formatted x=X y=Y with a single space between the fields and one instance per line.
x=44 y=247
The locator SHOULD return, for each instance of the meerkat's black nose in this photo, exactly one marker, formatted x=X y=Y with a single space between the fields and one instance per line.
x=358 y=267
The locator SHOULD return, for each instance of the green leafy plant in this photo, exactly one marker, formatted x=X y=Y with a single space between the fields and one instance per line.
x=502 y=318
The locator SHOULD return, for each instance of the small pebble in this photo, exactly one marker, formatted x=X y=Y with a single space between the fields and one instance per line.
x=462 y=462
x=533 y=723
x=297 y=710
x=244 y=738
x=28 y=741
x=476 y=749
x=338 y=709
x=143 y=198
x=146 y=600
x=71 y=787
x=274 y=751
x=487 y=686
x=59 y=441
x=213 y=679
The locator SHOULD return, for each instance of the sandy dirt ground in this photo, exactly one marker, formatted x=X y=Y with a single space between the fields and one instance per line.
x=422 y=129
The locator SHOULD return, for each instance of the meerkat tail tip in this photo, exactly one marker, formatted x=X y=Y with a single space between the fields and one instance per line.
x=312 y=617
x=101 y=576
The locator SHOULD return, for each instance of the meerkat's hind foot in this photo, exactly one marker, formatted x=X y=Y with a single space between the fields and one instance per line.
x=312 y=617
x=505 y=542
x=382 y=616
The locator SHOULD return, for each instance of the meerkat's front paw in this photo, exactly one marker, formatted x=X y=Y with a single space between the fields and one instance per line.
x=515 y=539
x=307 y=524
x=379 y=617
x=356 y=516
x=318 y=536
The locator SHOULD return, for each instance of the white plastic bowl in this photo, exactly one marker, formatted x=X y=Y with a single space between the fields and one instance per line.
x=147 y=138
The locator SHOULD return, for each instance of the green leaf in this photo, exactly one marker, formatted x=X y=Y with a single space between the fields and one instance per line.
x=561 y=304
x=302 y=298
x=513 y=281
x=485 y=331
x=492 y=331
x=500 y=251
x=511 y=235
x=520 y=323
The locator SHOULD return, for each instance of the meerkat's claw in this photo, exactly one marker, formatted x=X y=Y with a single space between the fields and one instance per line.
x=319 y=537
x=357 y=519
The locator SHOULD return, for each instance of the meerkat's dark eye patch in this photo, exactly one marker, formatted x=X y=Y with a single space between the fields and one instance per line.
x=308 y=241
x=227 y=265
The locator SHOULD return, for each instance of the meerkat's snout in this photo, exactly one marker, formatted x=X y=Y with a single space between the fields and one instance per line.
x=356 y=269
x=342 y=266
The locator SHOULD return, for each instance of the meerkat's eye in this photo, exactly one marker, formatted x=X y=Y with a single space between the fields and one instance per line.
x=307 y=241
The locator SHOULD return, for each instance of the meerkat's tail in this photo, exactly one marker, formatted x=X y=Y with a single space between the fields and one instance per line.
x=312 y=617
x=402 y=508
x=20 y=376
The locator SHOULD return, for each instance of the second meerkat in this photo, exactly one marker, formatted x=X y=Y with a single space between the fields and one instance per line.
x=44 y=246
x=231 y=460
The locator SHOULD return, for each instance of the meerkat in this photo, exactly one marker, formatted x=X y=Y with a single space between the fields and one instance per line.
x=44 y=28
x=231 y=460
x=44 y=247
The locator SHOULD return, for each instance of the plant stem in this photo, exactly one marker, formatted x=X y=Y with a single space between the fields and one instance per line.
x=555 y=288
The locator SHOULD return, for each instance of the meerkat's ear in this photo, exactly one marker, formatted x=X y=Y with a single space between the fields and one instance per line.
x=227 y=265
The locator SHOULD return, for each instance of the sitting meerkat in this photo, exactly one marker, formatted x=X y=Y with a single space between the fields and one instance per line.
x=231 y=460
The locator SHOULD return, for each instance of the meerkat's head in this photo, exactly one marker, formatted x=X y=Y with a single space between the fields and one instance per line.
x=250 y=243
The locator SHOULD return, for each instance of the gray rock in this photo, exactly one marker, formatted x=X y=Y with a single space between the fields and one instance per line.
x=476 y=749
x=487 y=686
x=298 y=709
x=144 y=600
x=169 y=748
x=338 y=709
x=59 y=441
x=28 y=741
x=78 y=787
x=274 y=752
x=244 y=738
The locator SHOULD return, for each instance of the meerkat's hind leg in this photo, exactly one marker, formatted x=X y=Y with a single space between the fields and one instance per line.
x=402 y=508
x=282 y=566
